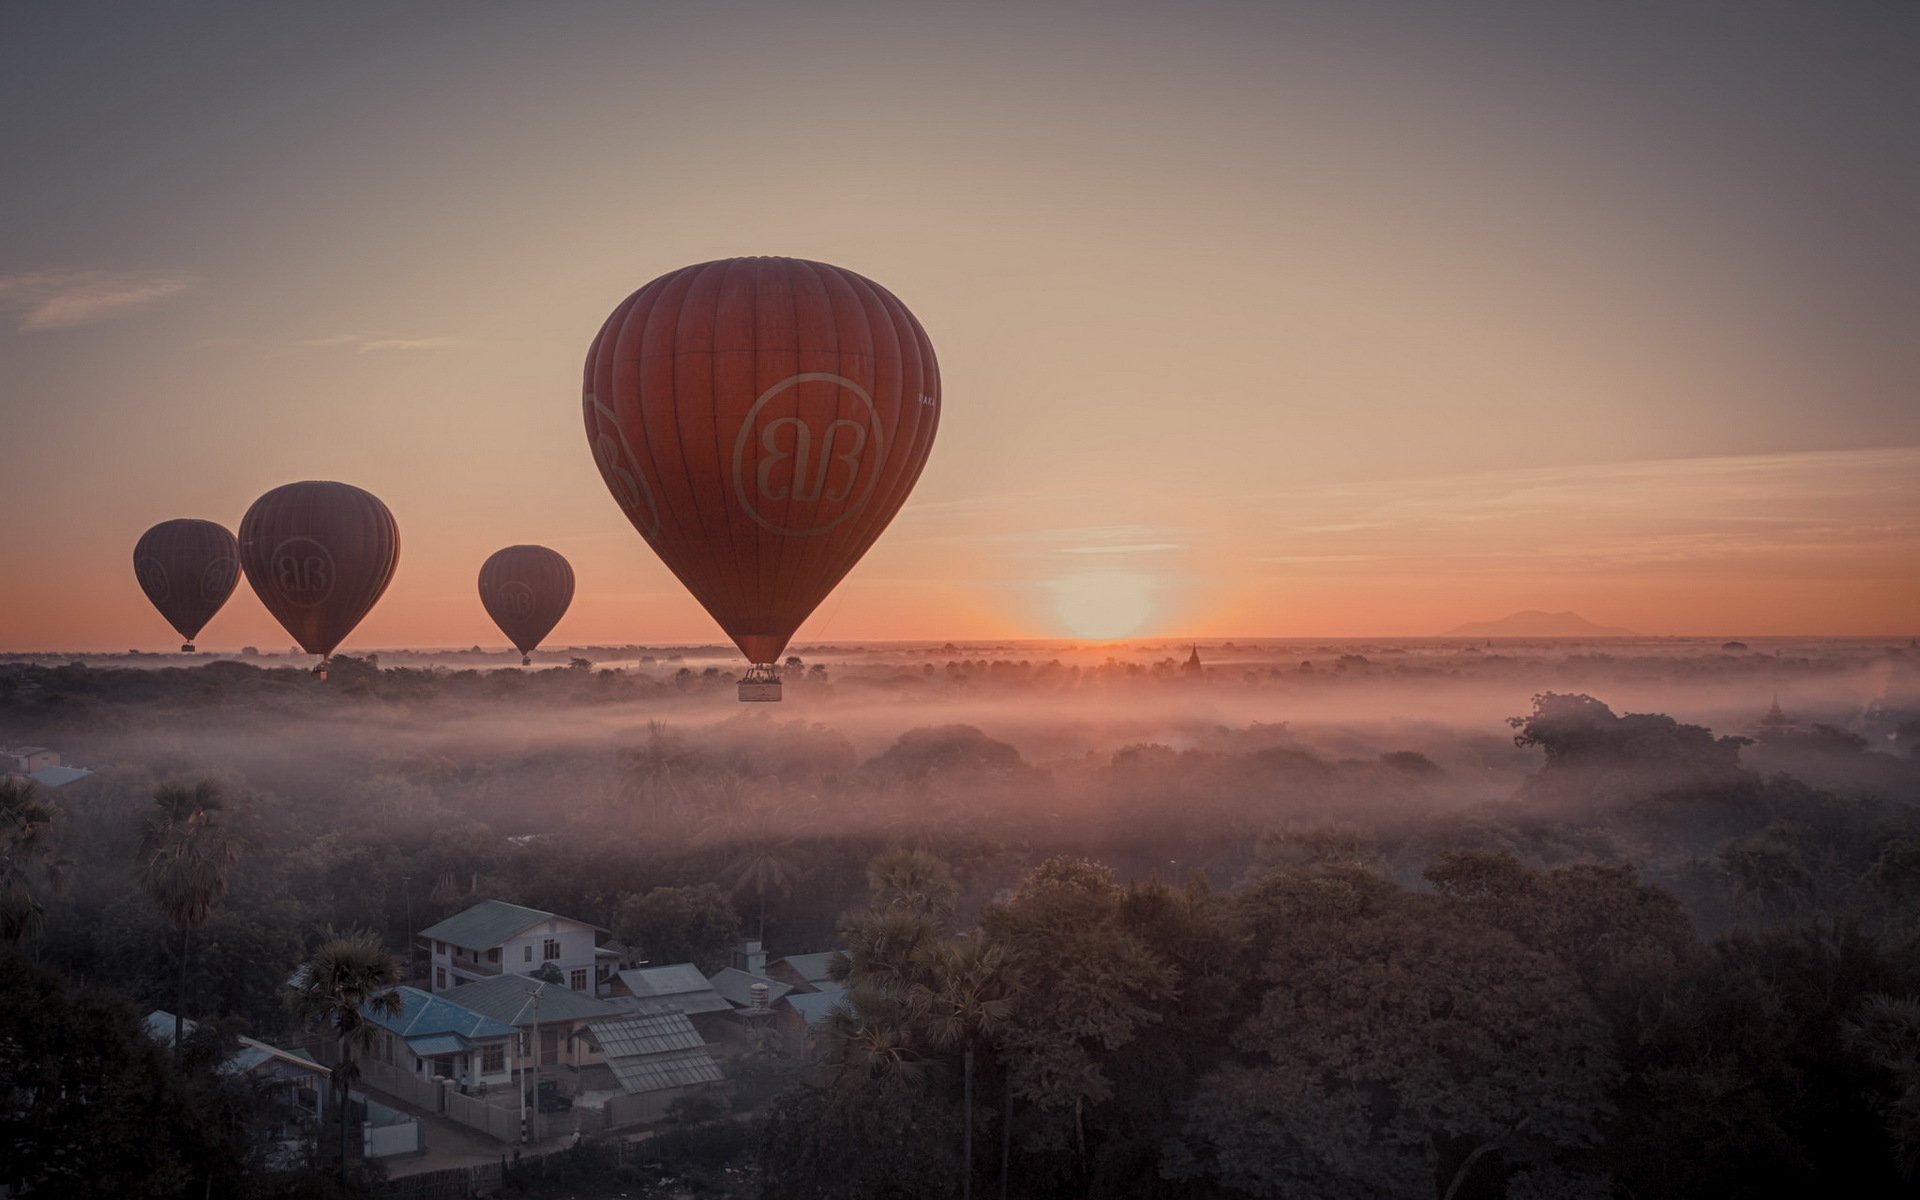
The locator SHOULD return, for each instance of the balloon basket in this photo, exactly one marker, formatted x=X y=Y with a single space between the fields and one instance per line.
x=187 y=648
x=320 y=670
x=526 y=660
x=761 y=684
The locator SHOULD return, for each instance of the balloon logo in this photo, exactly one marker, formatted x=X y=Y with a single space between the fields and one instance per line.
x=187 y=551
x=319 y=555
x=760 y=421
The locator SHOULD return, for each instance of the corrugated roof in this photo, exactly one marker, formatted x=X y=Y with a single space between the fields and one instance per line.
x=504 y=998
x=664 y=981
x=815 y=1007
x=737 y=986
x=425 y=1014
x=810 y=967
x=691 y=1003
x=645 y=1033
x=658 y=1072
x=486 y=924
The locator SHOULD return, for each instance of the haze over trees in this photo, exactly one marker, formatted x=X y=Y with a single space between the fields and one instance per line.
x=1107 y=932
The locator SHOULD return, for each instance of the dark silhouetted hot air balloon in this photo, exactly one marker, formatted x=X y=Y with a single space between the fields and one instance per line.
x=188 y=569
x=526 y=590
x=760 y=420
x=319 y=555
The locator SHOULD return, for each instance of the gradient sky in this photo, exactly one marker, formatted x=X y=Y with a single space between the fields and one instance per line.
x=1287 y=319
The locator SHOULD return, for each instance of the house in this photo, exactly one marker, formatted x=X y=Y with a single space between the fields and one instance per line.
x=551 y=1017
x=291 y=1092
x=752 y=997
x=678 y=988
x=25 y=760
x=654 y=1058
x=494 y=938
x=805 y=972
x=801 y=1018
x=433 y=1037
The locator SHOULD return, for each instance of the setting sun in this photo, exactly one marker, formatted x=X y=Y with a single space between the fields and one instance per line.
x=1101 y=605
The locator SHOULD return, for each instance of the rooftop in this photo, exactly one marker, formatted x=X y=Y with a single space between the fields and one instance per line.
x=815 y=1007
x=486 y=924
x=737 y=986
x=435 y=1024
x=644 y=1033
x=505 y=999
x=658 y=1072
x=810 y=967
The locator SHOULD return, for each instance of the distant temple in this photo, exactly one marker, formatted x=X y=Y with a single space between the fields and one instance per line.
x=1775 y=724
x=1192 y=668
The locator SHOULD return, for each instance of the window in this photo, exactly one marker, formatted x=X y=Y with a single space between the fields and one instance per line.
x=493 y=955
x=439 y=947
x=578 y=979
x=493 y=1059
x=529 y=949
x=439 y=979
x=549 y=949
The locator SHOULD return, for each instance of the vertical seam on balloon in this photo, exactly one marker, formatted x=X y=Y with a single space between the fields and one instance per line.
x=738 y=574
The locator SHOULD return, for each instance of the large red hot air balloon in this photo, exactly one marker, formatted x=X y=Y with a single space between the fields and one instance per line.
x=760 y=420
x=526 y=590
x=188 y=569
x=319 y=555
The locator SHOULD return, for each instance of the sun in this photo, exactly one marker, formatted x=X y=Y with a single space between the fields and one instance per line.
x=1101 y=605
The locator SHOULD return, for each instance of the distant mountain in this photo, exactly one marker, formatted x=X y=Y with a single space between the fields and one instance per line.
x=1536 y=624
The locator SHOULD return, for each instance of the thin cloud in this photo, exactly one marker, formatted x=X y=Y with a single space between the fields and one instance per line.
x=381 y=343
x=66 y=298
x=1140 y=548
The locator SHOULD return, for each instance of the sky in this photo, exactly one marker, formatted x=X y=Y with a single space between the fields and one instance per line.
x=1257 y=319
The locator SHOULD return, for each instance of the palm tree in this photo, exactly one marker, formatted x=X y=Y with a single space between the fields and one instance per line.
x=652 y=766
x=183 y=862
x=916 y=880
x=763 y=864
x=967 y=1004
x=26 y=850
x=348 y=979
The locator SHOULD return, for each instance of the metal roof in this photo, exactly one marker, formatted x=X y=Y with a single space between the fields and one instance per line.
x=504 y=998
x=815 y=1007
x=59 y=776
x=691 y=1003
x=658 y=1072
x=810 y=967
x=487 y=924
x=645 y=1033
x=425 y=1014
x=664 y=981
x=736 y=985
x=439 y=1043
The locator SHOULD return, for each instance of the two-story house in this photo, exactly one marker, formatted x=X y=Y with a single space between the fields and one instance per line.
x=495 y=938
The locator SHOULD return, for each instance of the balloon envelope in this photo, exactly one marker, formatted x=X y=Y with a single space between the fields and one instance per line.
x=319 y=555
x=760 y=421
x=187 y=568
x=526 y=590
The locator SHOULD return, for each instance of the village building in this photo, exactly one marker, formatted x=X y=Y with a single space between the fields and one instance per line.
x=495 y=938
x=804 y=972
x=654 y=1058
x=802 y=1018
x=550 y=1016
x=433 y=1037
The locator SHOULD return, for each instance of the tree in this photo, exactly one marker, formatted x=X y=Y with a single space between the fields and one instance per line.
x=764 y=865
x=966 y=1005
x=348 y=979
x=183 y=863
x=679 y=924
x=26 y=852
x=915 y=880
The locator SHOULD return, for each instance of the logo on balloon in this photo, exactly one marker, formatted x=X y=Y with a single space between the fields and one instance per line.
x=514 y=599
x=153 y=579
x=217 y=580
x=816 y=456
x=303 y=572
x=620 y=469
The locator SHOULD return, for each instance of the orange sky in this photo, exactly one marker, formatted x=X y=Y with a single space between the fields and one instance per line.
x=1264 y=320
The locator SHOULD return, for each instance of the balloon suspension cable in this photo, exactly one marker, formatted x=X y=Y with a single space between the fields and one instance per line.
x=761 y=683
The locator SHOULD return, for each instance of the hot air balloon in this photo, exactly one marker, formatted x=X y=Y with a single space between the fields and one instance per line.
x=526 y=590
x=188 y=569
x=319 y=555
x=760 y=420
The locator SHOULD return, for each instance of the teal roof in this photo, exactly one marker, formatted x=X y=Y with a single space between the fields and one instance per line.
x=504 y=999
x=439 y=1043
x=426 y=1015
x=486 y=924
x=815 y=1007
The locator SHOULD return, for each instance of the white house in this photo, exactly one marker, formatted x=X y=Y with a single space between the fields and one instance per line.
x=495 y=938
